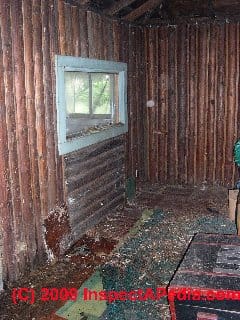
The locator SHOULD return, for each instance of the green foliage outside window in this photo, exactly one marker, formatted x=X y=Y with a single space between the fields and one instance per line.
x=88 y=93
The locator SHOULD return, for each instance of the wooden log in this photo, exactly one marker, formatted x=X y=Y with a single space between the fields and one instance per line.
x=192 y=127
x=39 y=105
x=90 y=33
x=235 y=176
x=163 y=104
x=182 y=103
x=201 y=142
x=84 y=225
x=116 y=39
x=101 y=43
x=142 y=104
x=87 y=193
x=221 y=87
x=135 y=109
x=6 y=218
x=155 y=133
x=145 y=123
x=238 y=87
x=84 y=42
x=55 y=49
x=98 y=39
x=211 y=112
x=15 y=257
x=61 y=28
x=151 y=109
x=172 y=102
x=139 y=103
x=105 y=40
x=49 y=107
x=31 y=120
x=76 y=31
x=110 y=45
x=22 y=133
x=129 y=155
x=230 y=107
x=124 y=57
x=68 y=30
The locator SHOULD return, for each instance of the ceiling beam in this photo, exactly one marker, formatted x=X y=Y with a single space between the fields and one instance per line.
x=118 y=6
x=138 y=12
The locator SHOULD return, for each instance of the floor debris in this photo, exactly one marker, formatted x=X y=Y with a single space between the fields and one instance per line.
x=183 y=211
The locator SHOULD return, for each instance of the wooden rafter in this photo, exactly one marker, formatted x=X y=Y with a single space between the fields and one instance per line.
x=117 y=6
x=138 y=12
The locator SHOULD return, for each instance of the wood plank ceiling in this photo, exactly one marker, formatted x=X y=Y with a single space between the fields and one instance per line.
x=162 y=11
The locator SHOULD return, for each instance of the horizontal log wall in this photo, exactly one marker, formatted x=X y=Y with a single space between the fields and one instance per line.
x=193 y=79
x=95 y=178
x=34 y=216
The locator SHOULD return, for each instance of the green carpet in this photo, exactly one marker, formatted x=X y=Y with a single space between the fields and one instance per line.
x=92 y=310
x=80 y=309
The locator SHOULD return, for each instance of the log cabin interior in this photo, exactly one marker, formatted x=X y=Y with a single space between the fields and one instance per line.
x=113 y=114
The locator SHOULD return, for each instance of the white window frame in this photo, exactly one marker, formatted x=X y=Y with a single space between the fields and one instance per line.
x=68 y=63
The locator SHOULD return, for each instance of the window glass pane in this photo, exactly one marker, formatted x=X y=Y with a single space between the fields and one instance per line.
x=91 y=102
x=102 y=94
x=77 y=92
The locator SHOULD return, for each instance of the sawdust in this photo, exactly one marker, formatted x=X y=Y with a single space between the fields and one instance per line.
x=180 y=205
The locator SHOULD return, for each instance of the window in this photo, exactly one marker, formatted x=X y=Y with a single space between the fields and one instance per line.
x=91 y=101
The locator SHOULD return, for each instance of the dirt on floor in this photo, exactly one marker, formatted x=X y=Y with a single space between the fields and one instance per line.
x=93 y=249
